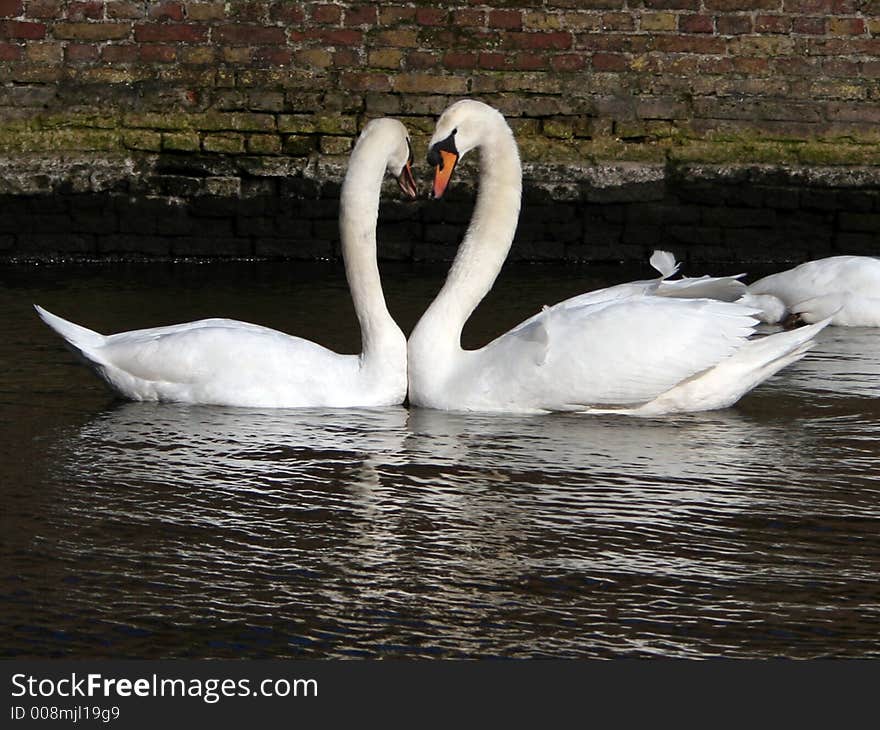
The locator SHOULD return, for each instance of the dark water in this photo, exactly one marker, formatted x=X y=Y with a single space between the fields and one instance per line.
x=138 y=530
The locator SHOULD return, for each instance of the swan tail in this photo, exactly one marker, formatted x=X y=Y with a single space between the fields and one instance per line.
x=81 y=340
x=724 y=384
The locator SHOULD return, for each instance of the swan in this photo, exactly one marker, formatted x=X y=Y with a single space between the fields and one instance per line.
x=227 y=362
x=634 y=355
x=845 y=289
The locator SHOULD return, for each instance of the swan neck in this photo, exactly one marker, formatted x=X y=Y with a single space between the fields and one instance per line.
x=487 y=241
x=358 y=217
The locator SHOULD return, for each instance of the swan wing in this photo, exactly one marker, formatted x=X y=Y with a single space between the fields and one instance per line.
x=609 y=294
x=611 y=353
x=196 y=351
x=722 y=288
x=219 y=361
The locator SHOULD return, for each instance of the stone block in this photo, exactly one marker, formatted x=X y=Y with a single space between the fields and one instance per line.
x=223 y=143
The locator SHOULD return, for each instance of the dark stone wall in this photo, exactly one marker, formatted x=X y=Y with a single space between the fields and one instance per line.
x=205 y=206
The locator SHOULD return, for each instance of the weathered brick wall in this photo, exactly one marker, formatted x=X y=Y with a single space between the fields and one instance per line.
x=192 y=105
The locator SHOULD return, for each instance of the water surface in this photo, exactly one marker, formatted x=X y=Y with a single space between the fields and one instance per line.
x=144 y=530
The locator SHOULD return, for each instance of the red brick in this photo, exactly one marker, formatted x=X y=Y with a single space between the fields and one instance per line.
x=81 y=53
x=617 y=43
x=287 y=13
x=712 y=65
x=531 y=61
x=823 y=7
x=568 y=62
x=24 y=31
x=730 y=6
x=609 y=62
x=85 y=10
x=327 y=14
x=673 y=4
x=733 y=24
x=268 y=56
x=248 y=12
x=841 y=68
x=772 y=24
x=44 y=9
x=431 y=16
x=119 y=53
x=11 y=8
x=346 y=58
x=492 y=60
x=395 y=15
x=460 y=59
x=751 y=65
x=364 y=15
x=124 y=10
x=167 y=11
x=809 y=26
x=365 y=81
x=696 y=24
x=795 y=66
x=422 y=59
x=10 y=52
x=506 y=19
x=170 y=33
x=555 y=40
x=248 y=35
x=157 y=53
x=329 y=36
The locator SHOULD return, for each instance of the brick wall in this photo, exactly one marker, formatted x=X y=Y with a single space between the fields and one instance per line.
x=189 y=102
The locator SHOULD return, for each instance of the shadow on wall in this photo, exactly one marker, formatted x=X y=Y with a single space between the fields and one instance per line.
x=181 y=209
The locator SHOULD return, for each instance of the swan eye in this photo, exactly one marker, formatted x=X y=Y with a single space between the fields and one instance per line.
x=446 y=145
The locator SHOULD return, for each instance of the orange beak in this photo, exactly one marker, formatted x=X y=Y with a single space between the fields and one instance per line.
x=443 y=172
x=407 y=182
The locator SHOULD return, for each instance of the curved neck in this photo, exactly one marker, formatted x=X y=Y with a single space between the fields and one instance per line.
x=358 y=216
x=486 y=243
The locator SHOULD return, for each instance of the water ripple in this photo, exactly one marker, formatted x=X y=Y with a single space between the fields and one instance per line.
x=139 y=530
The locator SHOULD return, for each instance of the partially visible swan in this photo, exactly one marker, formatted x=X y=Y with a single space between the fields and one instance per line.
x=227 y=362
x=635 y=355
x=844 y=288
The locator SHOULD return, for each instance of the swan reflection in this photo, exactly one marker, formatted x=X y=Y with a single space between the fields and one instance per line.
x=373 y=487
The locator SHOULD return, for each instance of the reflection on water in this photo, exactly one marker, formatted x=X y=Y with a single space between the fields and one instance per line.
x=145 y=530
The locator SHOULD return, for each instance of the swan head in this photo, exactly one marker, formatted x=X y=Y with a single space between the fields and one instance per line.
x=463 y=126
x=390 y=135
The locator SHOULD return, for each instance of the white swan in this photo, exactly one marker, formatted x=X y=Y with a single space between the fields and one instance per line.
x=637 y=355
x=227 y=362
x=844 y=288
